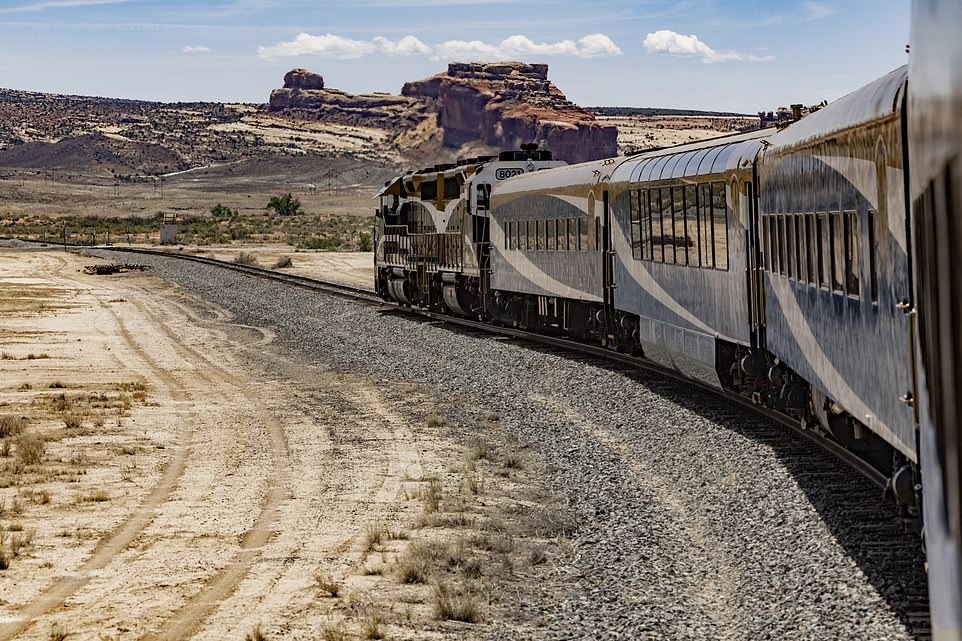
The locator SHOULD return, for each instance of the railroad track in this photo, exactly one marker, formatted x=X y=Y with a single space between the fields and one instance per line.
x=367 y=296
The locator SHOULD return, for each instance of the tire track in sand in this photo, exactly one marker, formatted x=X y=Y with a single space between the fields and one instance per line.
x=123 y=534
x=191 y=616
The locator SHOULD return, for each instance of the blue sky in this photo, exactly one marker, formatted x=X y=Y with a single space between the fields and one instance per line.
x=699 y=54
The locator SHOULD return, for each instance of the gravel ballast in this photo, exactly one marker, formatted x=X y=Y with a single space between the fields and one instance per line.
x=697 y=520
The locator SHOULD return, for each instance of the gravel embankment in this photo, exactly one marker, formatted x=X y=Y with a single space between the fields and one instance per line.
x=697 y=520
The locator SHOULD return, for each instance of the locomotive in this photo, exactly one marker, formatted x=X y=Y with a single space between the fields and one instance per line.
x=804 y=268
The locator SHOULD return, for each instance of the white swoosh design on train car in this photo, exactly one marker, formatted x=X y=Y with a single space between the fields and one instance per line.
x=647 y=282
x=532 y=272
x=821 y=363
x=861 y=173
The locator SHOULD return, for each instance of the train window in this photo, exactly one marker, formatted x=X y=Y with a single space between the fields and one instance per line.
x=509 y=236
x=838 y=251
x=782 y=260
x=452 y=189
x=691 y=227
x=667 y=226
x=583 y=234
x=429 y=190
x=552 y=234
x=679 y=236
x=634 y=207
x=597 y=234
x=872 y=256
x=720 y=225
x=657 y=234
x=824 y=250
x=645 y=225
x=573 y=234
x=767 y=242
x=852 y=268
x=810 y=256
x=705 y=245
x=801 y=247
x=539 y=235
x=790 y=246
x=484 y=195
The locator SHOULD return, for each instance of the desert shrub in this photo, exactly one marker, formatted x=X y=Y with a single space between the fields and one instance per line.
x=30 y=449
x=11 y=425
x=285 y=205
x=456 y=604
x=283 y=261
x=366 y=242
x=245 y=258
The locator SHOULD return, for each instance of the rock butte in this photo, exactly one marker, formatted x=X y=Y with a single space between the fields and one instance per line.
x=501 y=104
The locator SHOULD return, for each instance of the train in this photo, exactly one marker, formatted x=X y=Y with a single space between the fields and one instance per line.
x=805 y=268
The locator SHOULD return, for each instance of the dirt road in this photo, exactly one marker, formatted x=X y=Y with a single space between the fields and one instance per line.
x=193 y=483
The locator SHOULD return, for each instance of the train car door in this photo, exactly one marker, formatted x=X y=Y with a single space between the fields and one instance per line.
x=755 y=271
x=608 y=270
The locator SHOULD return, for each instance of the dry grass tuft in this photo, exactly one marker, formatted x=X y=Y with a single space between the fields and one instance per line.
x=333 y=632
x=435 y=421
x=257 y=634
x=374 y=534
x=73 y=421
x=432 y=496
x=282 y=262
x=245 y=258
x=30 y=449
x=11 y=425
x=327 y=583
x=58 y=633
x=372 y=627
x=456 y=604
x=97 y=496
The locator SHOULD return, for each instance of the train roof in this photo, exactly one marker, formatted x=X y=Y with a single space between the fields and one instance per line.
x=713 y=156
x=874 y=101
x=586 y=173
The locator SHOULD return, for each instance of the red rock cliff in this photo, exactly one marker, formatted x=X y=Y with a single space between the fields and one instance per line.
x=505 y=104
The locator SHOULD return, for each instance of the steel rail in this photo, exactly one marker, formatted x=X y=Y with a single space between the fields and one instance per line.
x=367 y=296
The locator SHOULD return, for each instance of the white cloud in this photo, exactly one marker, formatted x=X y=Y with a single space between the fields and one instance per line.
x=517 y=46
x=59 y=4
x=406 y=46
x=667 y=41
x=197 y=49
x=326 y=46
x=817 y=11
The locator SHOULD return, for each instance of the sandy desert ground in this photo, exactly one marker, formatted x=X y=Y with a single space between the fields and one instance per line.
x=166 y=474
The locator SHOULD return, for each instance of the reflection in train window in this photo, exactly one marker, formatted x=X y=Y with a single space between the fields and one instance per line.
x=645 y=225
x=838 y=251
x=790 y=246
x=780 y=234
x=634 y=208
x=720 y=225
x=872 y=256
x=705 y=244
x=691 y=227
x=824 y=251
x=852 y=270
x=667 y=226
x=678 y=237
x=657 y=235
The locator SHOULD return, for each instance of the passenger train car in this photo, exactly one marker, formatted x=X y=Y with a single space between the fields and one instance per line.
x=933 y=128
x=806 y=268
